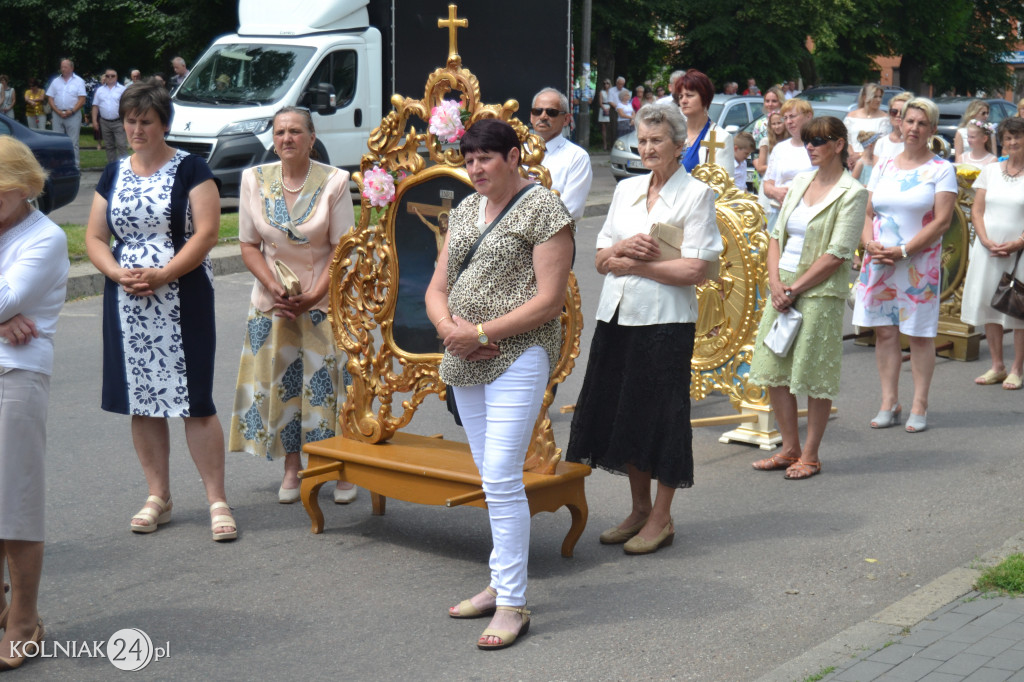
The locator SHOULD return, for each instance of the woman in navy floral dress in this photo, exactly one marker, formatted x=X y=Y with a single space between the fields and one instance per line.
x=163 y=209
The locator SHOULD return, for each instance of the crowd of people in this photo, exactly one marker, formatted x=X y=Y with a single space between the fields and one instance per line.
x=67 y=101
x=495 y=299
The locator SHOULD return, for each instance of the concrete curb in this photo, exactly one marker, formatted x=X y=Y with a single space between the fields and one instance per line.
x=892 y=621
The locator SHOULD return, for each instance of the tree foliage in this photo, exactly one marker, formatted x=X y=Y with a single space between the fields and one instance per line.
x=96 y=34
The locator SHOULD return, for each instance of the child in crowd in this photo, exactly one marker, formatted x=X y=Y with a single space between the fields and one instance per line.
x=979 y=143
x=866 y=163
x=743 y=147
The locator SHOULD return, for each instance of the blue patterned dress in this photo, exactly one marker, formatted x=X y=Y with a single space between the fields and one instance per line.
x=158 y=350
x=291 y=380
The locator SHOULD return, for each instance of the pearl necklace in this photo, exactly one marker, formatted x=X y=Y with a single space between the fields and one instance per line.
x=289 y=189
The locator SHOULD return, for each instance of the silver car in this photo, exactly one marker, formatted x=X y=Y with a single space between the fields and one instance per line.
x=731 y=112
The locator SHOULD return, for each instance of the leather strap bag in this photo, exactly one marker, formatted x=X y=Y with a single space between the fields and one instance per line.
x=1009 y=296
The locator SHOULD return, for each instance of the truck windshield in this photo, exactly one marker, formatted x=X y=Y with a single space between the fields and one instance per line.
x=244 y=74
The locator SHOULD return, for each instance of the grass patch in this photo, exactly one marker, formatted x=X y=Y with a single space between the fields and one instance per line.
x=76 y=236
x=89 y=156
x=1007 y=577
x=819 y=675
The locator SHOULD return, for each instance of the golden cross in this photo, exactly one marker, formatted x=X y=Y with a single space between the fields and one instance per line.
x=424 y=211
x=711 y=143
x=453 y=24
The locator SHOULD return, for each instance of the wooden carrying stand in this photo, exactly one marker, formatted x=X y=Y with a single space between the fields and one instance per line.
x=380 y=322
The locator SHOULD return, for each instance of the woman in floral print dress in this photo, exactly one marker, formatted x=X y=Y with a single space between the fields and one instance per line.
x=163 y=210
x=290 y=379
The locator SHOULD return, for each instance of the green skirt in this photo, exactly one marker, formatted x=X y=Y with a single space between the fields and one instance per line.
x=812 y=366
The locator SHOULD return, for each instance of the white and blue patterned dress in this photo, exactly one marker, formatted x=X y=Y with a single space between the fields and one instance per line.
x=158 y=350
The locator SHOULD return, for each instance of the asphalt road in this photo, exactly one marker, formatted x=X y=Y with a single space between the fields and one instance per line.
x=762 y=568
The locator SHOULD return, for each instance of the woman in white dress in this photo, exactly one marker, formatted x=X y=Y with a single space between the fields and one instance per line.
x=867 y=116
x=998 y=217
x=603 y=108
x=788 y=158
x=892 y=144
x=910 y=204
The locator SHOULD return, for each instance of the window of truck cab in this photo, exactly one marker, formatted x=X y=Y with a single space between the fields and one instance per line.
x=244 y=74
x=339 y=69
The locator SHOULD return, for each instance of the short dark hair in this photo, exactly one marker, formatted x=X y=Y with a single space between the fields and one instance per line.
x=1013 y=125
x=490 y=135
x=828 y=127
x=147 y=97
x=696 y=81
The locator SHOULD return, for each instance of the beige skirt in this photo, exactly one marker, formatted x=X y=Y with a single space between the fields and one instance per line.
x=24 y=397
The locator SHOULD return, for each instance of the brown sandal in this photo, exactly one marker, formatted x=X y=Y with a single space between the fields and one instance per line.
x=775 y=462
x=801 y=470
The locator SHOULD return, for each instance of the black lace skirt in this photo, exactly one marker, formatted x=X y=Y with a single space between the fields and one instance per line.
x=634 y=407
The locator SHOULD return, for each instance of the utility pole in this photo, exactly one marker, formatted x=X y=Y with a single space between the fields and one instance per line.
x=583 y=134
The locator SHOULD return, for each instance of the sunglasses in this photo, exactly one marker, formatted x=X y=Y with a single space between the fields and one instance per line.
x=550 y=112
x=896 y=112
x=818 y=141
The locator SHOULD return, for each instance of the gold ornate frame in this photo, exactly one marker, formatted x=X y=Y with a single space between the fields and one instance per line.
x=364 y=270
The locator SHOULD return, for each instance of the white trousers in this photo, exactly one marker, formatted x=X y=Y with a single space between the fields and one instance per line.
x=499 y=418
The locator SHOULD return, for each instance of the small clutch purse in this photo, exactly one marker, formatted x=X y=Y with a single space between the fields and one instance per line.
x=287 y=278
x=670 y=240
x=782 y=334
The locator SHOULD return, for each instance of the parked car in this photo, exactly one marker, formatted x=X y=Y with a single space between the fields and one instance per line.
x=731 y=112
x=56 y=155
x=951 y=110
x=833 y=98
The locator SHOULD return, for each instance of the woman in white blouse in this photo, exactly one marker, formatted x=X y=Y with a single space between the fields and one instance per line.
x=33 y=279
x=788 y=158
x=633 y=413
x=867 y=116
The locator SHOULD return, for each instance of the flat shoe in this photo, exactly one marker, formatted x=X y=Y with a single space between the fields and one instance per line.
x=153 y=518
x=616 y=535
x=916 y=423
x=1013 y=382
x=637 y=545
x=226 y=520
x=507 y=637
x=287 y=495
x=801 y=470
x=774 y=462
x=990 y=377
x=343 y=496
x=467 y=610
x=886 y=418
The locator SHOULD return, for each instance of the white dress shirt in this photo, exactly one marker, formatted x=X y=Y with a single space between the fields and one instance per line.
x=571 y=175
x=682 y=202
x=108 y=99
x=65 y=93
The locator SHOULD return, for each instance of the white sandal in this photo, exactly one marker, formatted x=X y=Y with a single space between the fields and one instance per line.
x=222 y=520
x=152 y=517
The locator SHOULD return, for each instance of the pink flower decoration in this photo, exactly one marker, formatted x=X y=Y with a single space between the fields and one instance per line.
x=378 y=187
x=446 y=121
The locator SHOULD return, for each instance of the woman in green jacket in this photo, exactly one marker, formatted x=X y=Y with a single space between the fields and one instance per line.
x=815 y=236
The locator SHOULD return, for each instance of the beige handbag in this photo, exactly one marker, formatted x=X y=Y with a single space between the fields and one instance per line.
x=288 y=279
x=670 y=240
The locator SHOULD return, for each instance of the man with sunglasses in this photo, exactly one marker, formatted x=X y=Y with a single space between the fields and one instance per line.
x=568 y=163
x=106 y=117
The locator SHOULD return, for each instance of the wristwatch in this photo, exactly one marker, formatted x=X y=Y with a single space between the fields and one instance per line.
x=481 y=336
x=903 y=250
x=788 y=293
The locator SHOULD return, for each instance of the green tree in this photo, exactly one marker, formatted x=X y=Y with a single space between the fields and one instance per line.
x=976 y=61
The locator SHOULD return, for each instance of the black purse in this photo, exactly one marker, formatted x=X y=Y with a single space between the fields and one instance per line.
x=1009 y=296
x=449 y=394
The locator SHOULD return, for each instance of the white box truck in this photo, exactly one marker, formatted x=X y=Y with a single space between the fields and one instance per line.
x=343 y=59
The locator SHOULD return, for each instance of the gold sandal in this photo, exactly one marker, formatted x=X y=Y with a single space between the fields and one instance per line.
x=507 y=637
x=222 y=520
x=467 y=610
x=153 y=517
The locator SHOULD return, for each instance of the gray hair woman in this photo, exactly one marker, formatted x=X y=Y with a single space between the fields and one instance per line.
x=633 y=414
x=34 y=268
